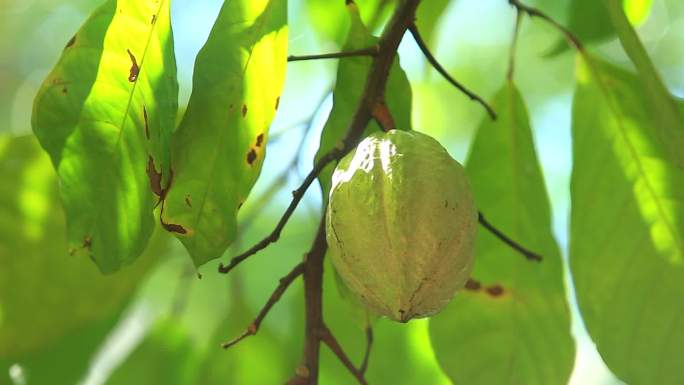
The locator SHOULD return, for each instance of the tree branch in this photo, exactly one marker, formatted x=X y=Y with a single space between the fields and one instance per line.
x=534 y=12
x=329 y=339
x=515 y=245
x=433 y=61
x=284 y=283
x=369 y=51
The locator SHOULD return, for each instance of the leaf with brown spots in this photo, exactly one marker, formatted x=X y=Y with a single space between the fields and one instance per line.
x=518 y=317
x=219 y=146
x=102 y=136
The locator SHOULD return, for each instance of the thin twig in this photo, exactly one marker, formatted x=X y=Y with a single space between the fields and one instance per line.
x=275 y=297
x=368 y=51
x=534 y=12
x=369 y=345
x=297 y=196
x=514 y=45
x=515 y=245
x=433 y=61
x=329 y=339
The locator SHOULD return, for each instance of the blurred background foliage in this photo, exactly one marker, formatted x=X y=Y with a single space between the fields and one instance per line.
x=156 y=322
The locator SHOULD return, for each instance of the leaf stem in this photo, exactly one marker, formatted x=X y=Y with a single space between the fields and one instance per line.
x=514 y=45
x=531 y=256
x=437 y=66
x=368 y=51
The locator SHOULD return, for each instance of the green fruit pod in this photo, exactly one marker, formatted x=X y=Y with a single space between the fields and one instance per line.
x=401 y=224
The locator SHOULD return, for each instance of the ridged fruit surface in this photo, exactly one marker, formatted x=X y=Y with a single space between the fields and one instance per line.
x=401 y=224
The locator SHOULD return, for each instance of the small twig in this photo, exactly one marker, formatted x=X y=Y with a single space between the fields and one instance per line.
x=534 y=12
x=514 y=45
x=368 y=51
x=297 y=196
x=369 y=345
x=275 y=297
x=329 y=339
x=515 y=245
x=433 y=61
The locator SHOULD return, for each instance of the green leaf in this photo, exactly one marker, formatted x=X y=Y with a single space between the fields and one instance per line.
x=589 y=20
x=627 y=223
x=514 y=328
x=44 y=292
x=330 y=20
x=351 y=79
x=166 y=356
x=219 y=146
x=104 y=114
x=428 y=16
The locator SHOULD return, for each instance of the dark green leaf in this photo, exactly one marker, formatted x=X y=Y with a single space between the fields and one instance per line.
x=628 y=223
x=220 y=145
x=105 y=114
x=44 y=292
x=515 y=327
x=351 y=79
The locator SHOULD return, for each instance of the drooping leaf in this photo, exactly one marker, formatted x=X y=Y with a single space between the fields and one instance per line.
x=351 y=80
x=44 y=292
x=589 y=20
x=105 y=114
x=511 y=325
x=627 y=223
x=219 y=147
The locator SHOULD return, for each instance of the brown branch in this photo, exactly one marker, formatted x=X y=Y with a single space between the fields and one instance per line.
x=437 y=66
x=297 y=196
x=329 y=339
x=534 y=12
x=531 y=256
x=369 y=345
x=284 y=283
x=369 y=51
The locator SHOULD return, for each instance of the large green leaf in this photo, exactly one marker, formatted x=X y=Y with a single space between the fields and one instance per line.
x=104 y=114
x=44 y=292
x=330 y=20
x=627 y=223
x=515 y=327
x=219 y=147
x=351 y=80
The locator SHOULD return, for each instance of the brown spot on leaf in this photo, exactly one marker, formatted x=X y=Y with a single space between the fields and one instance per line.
x=135 y=69
x=244 y=110
x=70 y=42
x=277 y=102
x=240 y=205
x=87 y=242
x=495 y=290
x=147 y=125
x=188 y=201
x=472 y=285
x=260 y=140
x=155 y=178
x=154 y=19
x=64 y=90
x=251 y=156
x=174 y=228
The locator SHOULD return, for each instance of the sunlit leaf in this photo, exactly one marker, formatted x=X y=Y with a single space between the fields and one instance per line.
x=105 y=114
x=589 y=20
x=44 y=292
x=330 y=19
x=351 y=79
x=428 y=16
x=627 y=223
x=512 y=325
x=219 y=146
